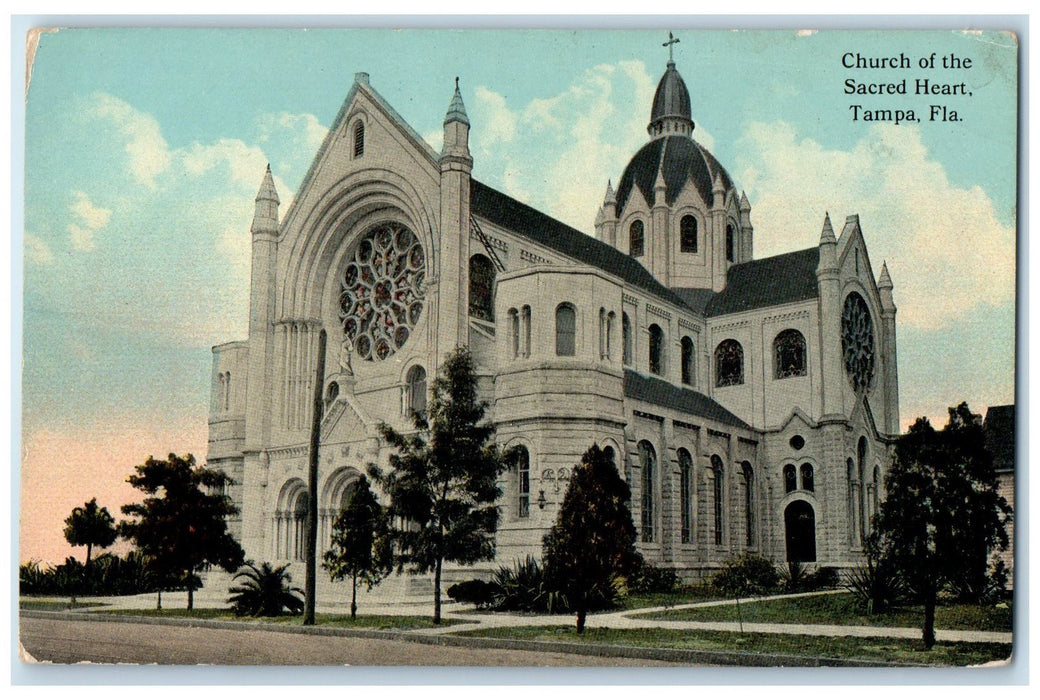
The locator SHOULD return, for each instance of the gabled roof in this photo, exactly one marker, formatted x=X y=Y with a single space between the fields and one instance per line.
x=999 y=428
x=755 y=284
x=505 y=212
x=661 y=393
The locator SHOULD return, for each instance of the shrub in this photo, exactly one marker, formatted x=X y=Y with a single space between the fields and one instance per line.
x=746 y=575
x=824 y=577
x=522 y=587
x=264 y=591
x=482 y=594
x=793 y=576
x=653 y=579
x=877 y=586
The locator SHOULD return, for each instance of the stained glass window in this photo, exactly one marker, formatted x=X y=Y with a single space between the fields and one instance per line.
x=481 y=288
x=789 y=354
x=381 y=291
x=635 y=239
x=857 y=341
x=729 y=363
x=523 y=486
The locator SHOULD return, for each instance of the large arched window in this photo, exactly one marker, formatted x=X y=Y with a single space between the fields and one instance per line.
x=716 y=488
x=648 y=461
x=731 y=243
x=481 y=288
x=749 y=503
x=686 y=345
x=359 y=139
x=626 y=339
x=729 y=363
x=789 y=354
x=688 y=234
x=566 y=322
x=656 y=349
x=685 y=496
x=523 y=482
x=635 y=239
x=415 y=390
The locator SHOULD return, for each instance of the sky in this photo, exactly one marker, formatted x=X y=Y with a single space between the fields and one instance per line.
x=144 y=150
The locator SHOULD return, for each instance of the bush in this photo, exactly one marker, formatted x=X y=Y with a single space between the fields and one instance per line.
x=653 y=579
x=264 y=591
x=823 y=578
x=482 y=594
x=877 y=587
x=523 y=588
x=797 y=577
x=746 y=575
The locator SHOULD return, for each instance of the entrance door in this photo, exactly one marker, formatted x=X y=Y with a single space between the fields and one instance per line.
x=800 y=526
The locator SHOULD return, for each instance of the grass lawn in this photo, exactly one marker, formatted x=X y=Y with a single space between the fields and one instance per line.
x=682 y=596
x=909 y=651
x=54 y=604
x=841 y=609
x=377 y=622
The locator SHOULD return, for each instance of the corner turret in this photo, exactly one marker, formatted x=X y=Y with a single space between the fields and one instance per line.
x=265 y=215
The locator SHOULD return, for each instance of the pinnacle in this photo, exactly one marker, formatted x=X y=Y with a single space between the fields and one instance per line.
x=610 y=198
x=456 y=110
x=267 y=188
x=885 y=280
x=827 y=235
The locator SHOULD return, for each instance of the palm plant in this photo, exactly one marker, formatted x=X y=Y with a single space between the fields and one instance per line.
x=264 y=591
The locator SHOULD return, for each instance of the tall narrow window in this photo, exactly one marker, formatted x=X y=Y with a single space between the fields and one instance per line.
x=749 y=503
x=729 y=363
x=602 y=333
x=808 y=484
x=227 y=391
x=514 y=333
x=687 y=359
x=731 y=243
x=635 y=239
x=688 y=234
x=523 y=483
x=565 y=330
x=649 y=464
x=481 y=288
x=790 y=478
x=853 y=490
x=525 y=331
x=685 y=496
x=789 y=354
x=717 y=474
x=359 y=139
x=611 y=325
x=626 y=339
x=299 y=520
x=415 y=384
x=656 y=349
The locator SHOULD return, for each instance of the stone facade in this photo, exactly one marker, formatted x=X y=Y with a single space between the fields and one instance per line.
x=750 y=404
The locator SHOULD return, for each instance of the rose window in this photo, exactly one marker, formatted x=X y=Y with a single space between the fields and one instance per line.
x=382 y=290
x=857 y=341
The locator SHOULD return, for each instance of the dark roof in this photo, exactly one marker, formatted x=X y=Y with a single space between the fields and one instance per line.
x=768 y=282
x=672 y=99
x=684 y=159
x=661 y=393
x=696 y=298
x=504 y=211
x=999 y=427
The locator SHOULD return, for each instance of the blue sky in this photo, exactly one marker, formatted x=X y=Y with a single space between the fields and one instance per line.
x=144 y=149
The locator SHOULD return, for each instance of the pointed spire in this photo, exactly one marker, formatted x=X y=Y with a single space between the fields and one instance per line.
x=265 y=216
x=659 y=183
x=456 y=110
x=610 y=197
x=884 y=281
x=827 y=235
x=745 y=205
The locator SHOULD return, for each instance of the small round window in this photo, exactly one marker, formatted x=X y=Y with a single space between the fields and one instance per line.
x=797 y=442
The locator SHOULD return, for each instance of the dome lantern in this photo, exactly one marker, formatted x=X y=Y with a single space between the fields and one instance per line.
x=671 y=114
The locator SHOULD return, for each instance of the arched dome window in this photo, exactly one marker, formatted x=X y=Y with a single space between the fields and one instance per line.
x=688 y=234
x=729 y=363
x=359 y=139
x=566 y=323
x=648 y=461
x=415 y=389
x=731 y=243
x=481 y=288
x=635 y=239
x=686 y=346
x=656 y=349
x=789 y=354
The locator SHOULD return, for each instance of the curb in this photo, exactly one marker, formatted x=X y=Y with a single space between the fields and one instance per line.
x=684 y=656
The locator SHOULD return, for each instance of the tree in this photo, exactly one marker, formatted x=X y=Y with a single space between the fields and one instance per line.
x=180 y=527
x=360 y=543
x=89 y=525
x=592 y=543
x=942 y=515
x=264 y=591
x=442 y=480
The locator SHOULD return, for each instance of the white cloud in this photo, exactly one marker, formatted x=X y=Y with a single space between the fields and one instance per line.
x=307 y=126
x=88 y=220
x=37 y=251
x=947 y=250
x=145 y=144
x=245 y=163
x=499 y=122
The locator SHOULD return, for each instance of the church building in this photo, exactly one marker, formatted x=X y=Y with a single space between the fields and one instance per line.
x=751 y=404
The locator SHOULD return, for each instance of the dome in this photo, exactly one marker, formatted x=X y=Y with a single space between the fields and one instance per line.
x=680 y=158
x=671 y=101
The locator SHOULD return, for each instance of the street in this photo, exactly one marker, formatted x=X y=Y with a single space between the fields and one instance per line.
x=72 y=641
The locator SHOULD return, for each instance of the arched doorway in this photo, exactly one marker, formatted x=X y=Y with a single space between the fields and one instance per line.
x=800 y=527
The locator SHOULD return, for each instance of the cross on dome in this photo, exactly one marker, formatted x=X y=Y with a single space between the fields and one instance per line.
x=671 y=40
